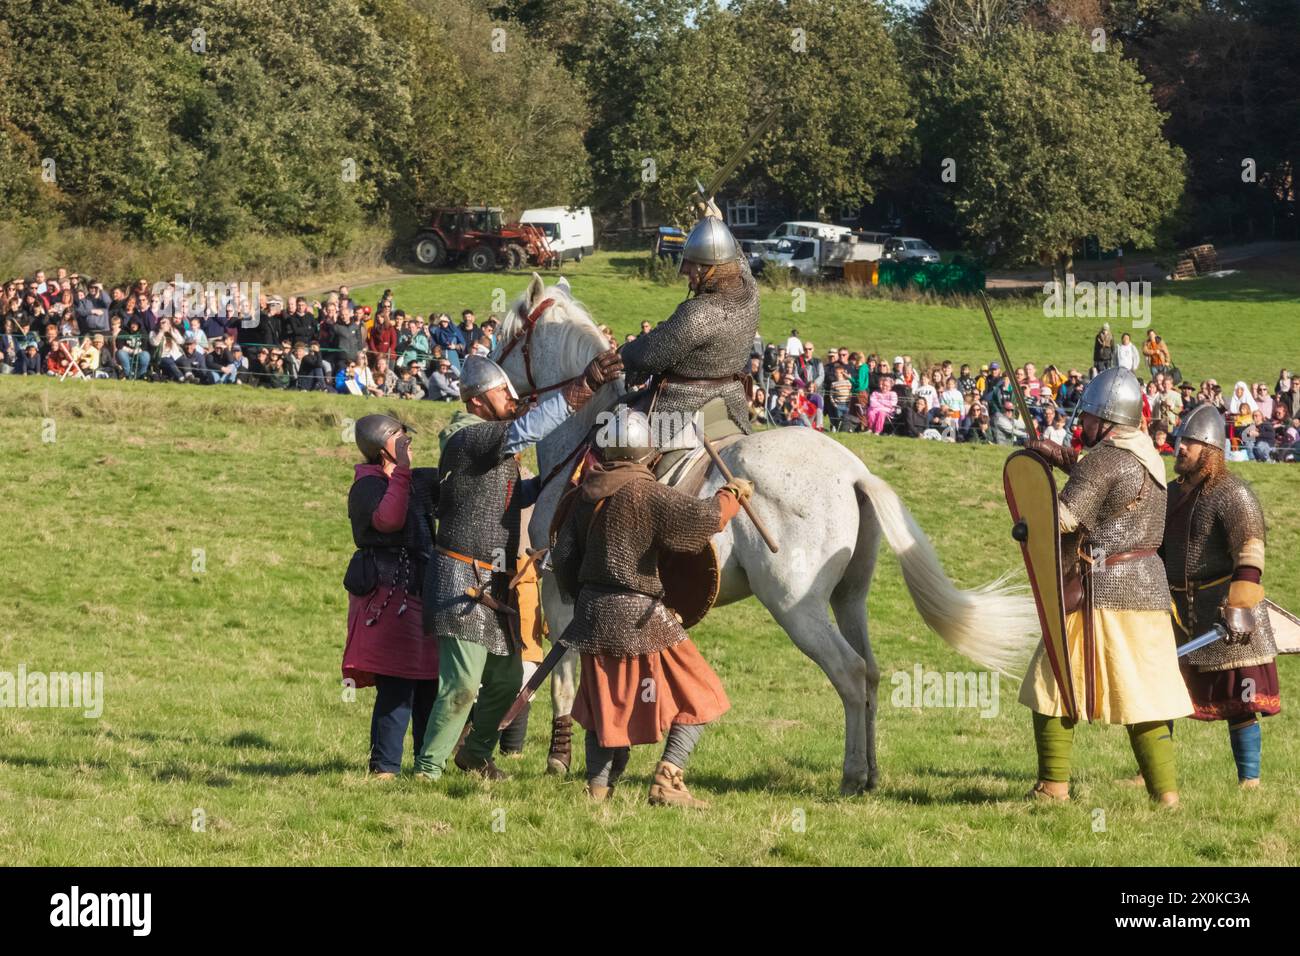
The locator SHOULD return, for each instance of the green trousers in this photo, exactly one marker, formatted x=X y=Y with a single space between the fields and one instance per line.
x=462 y=667
x=1152 y=743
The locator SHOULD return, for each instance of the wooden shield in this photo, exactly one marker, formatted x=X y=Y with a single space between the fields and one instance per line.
x=1030 y=488
x=691 y=583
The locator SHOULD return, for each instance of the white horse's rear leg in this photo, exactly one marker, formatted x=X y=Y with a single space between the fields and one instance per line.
x=849 y=602
x=809 y=626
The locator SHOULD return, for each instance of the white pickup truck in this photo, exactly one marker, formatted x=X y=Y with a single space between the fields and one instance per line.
x=818 y=258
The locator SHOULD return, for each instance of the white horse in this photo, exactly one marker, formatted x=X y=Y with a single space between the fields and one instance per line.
x=821 y=504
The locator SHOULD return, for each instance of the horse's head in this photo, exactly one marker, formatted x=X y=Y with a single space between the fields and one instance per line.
x=546 y=338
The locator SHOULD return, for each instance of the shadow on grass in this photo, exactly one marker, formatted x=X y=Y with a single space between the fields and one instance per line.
x=173 y=771
x=914 y=796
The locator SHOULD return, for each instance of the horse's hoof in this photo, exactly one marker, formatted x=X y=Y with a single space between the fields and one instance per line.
x=855 y=787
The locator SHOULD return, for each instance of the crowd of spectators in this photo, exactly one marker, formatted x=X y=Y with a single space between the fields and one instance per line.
x=67 y=325
x=855 y=392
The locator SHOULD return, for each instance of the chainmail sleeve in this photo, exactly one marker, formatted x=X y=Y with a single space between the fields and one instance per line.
x=1089 y=491
x=683 y=523
x=664 y=346
x=1244 y=524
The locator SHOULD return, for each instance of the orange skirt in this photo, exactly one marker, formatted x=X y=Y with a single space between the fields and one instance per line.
x=627 y=701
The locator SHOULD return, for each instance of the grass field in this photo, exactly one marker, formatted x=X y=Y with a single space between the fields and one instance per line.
x=1239 y=327
x=189 y=543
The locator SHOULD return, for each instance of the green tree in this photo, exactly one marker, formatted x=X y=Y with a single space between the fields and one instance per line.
x=1052 y=143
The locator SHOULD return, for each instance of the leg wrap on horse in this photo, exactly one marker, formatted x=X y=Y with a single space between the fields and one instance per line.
x=1153 y=746
x=682 y=739
x=1054 y=739
x=604 y=764
x=1246 y=741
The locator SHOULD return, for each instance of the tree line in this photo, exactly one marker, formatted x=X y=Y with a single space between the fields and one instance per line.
x=1017 y=127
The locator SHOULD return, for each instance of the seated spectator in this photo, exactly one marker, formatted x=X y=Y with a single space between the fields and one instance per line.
x=915 y=419
x=444 y=386
x=882 y=405
x=1054 y=427
x=1160 y=439
x=1008 y=428
x=193 y=365
x=168 y=345
x=407 y=388
x=1263 y=401
x=384 y=380
x=1241 y=406
x=1265 y=437
x=225 y=362
x=975 y=427
x=306 y=368
x=277 y=375
x=941 y=426
x=29 y=361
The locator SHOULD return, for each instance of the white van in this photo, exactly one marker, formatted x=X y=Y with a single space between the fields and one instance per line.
x=810 y=230
x=569 y=231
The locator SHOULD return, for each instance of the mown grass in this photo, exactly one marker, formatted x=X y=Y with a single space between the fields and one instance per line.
x=223 y=689
x=1240 y=327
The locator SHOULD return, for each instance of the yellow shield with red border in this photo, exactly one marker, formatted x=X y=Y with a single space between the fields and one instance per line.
x=1030 y=488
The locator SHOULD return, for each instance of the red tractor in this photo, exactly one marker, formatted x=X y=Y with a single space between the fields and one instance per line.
x=475 y=237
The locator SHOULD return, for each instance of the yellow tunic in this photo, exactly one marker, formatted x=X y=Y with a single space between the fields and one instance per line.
x=1137 y=669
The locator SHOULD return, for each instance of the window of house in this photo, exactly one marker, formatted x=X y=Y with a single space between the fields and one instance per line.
x=742 y=212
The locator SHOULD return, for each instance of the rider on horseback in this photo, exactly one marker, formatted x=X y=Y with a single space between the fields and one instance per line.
x=702 y=350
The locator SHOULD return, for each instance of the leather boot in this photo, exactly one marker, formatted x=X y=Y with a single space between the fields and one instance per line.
x=669 y=788
x=1050 y=791
x=483 y=768
x=561 y=752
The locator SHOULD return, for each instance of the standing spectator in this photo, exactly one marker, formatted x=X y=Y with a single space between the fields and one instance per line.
x=1126 y=355
x=1103 y=349
x=349 y=339
x=1156 y=353
x=793 y=346
x=469 y=332
x=1168 y=404
x=841 y=392
x=449 y=338
x=382 y=341
x=300 y=326
x=808 y=366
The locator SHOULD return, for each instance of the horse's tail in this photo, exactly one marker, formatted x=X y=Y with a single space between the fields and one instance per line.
x=996 y=625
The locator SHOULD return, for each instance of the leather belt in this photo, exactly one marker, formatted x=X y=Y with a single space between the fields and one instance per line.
x=1120 y=557
x=481 y=565
x=676 y=379
x=1200 y=585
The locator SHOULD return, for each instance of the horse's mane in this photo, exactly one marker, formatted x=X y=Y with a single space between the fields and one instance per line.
x=578 y=337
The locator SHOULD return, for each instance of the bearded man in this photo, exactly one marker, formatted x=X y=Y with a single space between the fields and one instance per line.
x=641 y=673
x=702 y=351
x=1214 y=560
x=1111 y=513
x=468 y=603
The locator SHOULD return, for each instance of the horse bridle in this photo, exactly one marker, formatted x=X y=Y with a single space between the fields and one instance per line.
x=524 y=337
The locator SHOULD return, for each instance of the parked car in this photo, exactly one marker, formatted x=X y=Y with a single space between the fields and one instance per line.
x=903 y=248
x=754 y=250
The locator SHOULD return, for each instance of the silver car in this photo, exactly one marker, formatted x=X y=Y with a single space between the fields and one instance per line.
x=901 y=248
